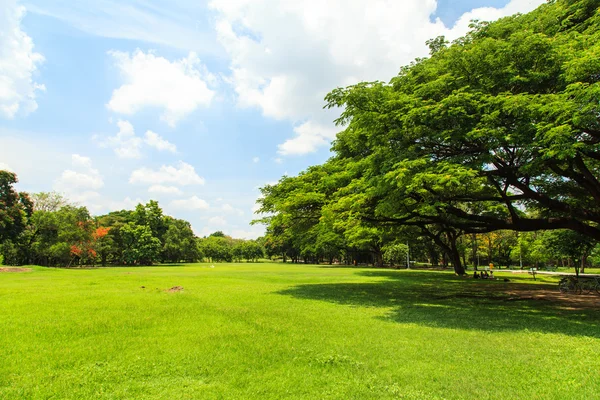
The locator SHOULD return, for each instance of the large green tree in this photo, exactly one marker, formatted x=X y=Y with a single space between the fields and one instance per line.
x=497 y=131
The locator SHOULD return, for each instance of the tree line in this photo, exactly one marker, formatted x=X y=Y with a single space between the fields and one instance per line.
x=496 y=133
x=45 y=229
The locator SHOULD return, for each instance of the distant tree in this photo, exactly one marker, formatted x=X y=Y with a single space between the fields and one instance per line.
x=571 y=245
x=48 y=201
x=15 y=208
x=103 y=242
x=152 y=216
x=217 y=248
x=253 y=250
x=395 y=254
x=179 y=242
x=140 y=247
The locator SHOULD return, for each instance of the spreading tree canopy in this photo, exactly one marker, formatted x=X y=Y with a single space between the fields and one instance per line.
x=498 y=130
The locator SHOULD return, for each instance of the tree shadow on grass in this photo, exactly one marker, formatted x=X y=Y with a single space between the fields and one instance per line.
x=445 y=301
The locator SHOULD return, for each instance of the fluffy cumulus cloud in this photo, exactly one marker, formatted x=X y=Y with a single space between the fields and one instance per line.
x=178 y=88
x=287 y=55
x=183 y=174
x=81 y=182
x=126 y=144
x=18 y=63
x=153 y=139
x=191 y=204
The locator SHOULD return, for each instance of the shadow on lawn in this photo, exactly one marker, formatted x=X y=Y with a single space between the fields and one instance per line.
x=445 y=301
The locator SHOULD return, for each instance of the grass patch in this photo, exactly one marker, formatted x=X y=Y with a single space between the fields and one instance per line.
x=286 y=331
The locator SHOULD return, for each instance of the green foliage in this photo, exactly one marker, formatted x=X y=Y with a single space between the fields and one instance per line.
x=497 y=132
x=48 y=201
x=396 y=254
x=48 y=230
x=140 y=246
x=180 y=242
x=15 y=208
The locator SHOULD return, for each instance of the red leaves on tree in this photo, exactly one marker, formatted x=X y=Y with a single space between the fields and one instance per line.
x=76 y=251
x=101 y=232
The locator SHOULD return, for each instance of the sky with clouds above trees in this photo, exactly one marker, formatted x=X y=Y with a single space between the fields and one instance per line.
x=195 y=103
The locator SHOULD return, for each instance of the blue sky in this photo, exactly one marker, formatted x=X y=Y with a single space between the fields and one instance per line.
x=194 y=103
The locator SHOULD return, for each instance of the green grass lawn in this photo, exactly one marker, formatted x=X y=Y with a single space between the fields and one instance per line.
x=274 y=331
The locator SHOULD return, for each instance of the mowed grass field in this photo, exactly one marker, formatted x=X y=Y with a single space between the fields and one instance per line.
x=278 y=331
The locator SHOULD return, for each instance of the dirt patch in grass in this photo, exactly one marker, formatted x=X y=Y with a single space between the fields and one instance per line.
x=507 y=292
x=568 y=301
x=15 y=269
x=175 y=289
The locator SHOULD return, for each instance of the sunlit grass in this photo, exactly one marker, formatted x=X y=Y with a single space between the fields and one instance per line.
x=287 y=331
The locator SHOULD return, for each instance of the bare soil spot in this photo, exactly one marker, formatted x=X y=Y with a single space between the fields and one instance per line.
x=569 y=301
x=15 y=269
x=175 y=289
x=551 y=294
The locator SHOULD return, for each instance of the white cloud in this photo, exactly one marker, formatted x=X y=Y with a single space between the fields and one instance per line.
x=5 y=167
x=18 y=63
x=217 y=221
x=169 y=190
x=125 y=143
x=184 y=174
x=126 y=204
x=81 y=161
x=256 y=160
x=309 y=136
x=279 y=160
x=228 y=208
x=193 y=203
x=153 y=139
x=178 y=87
x=287 y=55
x=254 y=232
x=89 y=198
x=81 y=181
x=78 y=180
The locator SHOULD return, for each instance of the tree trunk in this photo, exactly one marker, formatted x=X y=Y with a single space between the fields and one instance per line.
x=379 y=258
x=474 y=251
x=459 y=269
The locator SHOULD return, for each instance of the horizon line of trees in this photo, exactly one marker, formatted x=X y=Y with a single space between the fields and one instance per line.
x=45 y=229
